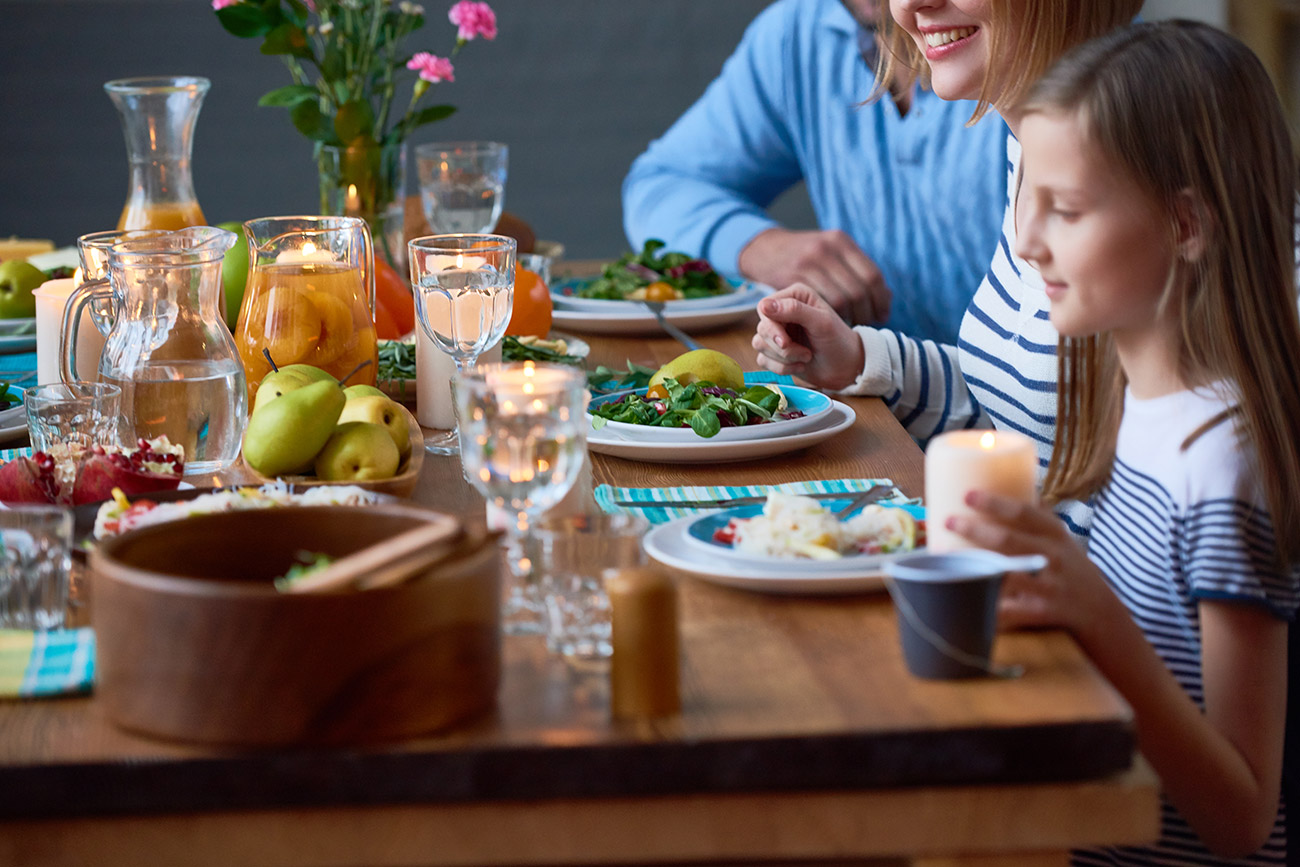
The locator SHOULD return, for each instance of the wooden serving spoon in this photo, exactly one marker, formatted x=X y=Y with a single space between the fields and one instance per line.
x=389 y=562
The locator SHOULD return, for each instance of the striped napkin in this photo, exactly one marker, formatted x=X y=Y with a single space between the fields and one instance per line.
x=18 y=368
x=607 y=494
x=57 y=662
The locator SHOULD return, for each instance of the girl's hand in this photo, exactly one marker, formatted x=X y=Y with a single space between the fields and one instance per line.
x=1070 y=592
x=801 y=335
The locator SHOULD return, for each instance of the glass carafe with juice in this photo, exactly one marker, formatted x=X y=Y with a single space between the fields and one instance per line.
x=158 y=115
x=169 y=349
x=309 y=298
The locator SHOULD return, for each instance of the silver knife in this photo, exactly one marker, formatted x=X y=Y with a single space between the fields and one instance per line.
x=657 y=308
x=862 y=498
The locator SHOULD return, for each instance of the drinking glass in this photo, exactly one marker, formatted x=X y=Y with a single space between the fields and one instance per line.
x=523 y=443
x=35 y=558
x=464 y=291
x=85 y=414
x=462 y=184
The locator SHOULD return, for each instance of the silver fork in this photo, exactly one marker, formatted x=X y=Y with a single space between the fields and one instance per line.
x=657 y=308
x=866 y=498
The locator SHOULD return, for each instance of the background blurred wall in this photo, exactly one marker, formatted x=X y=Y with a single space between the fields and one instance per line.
x=575 y=87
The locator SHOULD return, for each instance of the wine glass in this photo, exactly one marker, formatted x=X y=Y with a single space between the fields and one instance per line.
x=462 y=184
x=464 y=291
x=523 y=443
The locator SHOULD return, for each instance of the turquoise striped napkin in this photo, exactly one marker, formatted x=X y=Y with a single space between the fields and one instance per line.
x=57 y=662
x=606 y=495
x=18 y=368
x=10 y=454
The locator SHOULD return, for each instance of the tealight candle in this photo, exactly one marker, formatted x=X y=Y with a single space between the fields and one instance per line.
x=307 y=253
x=1001 y=462
x=51 y=297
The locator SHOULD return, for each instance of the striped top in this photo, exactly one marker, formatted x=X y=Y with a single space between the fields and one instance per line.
x=1174 y=528
x=1001 y=373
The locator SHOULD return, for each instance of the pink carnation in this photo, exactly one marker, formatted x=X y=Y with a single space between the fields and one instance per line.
x=431 y=68
x=222 y=4
x=473 y=19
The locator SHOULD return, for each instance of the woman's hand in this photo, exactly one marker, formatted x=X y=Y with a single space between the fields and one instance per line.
x=1070 y=592
x=799 y=334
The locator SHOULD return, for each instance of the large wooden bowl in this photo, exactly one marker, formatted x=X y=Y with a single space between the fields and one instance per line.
x=195 y=644
x=401 y=485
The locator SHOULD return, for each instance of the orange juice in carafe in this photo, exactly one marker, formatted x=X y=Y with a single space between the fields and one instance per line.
x=141 y=214
x=306 y=313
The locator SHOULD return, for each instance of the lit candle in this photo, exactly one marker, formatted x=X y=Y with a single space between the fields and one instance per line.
x=51 y=297
x=308 y=252
x=1001 y=462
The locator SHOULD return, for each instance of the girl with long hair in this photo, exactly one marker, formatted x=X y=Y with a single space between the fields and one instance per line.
x=1156 y=203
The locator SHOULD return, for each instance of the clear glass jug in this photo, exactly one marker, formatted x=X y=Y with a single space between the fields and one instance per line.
x=310 y=293
x=168 y=347
x=158 y=115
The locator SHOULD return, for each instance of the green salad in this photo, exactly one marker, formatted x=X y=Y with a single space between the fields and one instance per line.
x=702 y=406
x=652 y=275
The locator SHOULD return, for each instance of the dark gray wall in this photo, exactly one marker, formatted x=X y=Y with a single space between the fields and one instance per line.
x=575 y=87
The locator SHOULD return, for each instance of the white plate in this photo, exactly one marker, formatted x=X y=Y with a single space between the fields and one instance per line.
x=743 y=294
x=708 y=451
x=813 y=403
x=638 y=320
x=667 y=543
x=17 y=335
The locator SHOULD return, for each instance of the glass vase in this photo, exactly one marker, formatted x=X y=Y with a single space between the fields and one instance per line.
x=368 y=180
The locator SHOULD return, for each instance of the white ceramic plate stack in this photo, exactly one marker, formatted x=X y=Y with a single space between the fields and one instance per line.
x=822 y=418
x=632 y=317
x=688 y=544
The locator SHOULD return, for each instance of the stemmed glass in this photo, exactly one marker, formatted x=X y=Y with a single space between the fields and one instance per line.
x=523 y=443
x=464 y=291
x=462 y=184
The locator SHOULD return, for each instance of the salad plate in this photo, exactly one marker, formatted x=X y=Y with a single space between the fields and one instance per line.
x=564 y=297
x=13 y=421
x=825 y=426
x=632 y=318
x=667 y=543
x=700 y=535
x=813 y=405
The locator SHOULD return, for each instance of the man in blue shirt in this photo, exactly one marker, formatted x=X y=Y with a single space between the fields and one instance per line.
x=908 y=199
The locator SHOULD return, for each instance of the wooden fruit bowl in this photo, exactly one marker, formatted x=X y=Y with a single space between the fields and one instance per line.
x=194 y=643
x=401 y=485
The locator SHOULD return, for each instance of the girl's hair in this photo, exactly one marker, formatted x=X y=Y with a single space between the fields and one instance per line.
x=1188 y=114
x=1046 y=29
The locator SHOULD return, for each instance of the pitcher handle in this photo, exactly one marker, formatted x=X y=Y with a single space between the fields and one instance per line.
x=72 y=309
x=368 y=267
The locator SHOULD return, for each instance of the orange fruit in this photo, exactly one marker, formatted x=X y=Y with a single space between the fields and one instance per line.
x=660 y=291
x=531 y=315
x=393 y=292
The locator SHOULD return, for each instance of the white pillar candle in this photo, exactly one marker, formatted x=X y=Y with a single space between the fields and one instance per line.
x=51 y=297
x=1001 y=462
x=433 y=372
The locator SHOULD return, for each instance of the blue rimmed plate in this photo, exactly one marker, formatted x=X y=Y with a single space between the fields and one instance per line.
x=13 y=421
x=17 y=335
x=814 y=405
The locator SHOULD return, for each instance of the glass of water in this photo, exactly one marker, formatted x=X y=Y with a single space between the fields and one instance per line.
x=462 y=184
x=35 y=558
x=464 y=292
x=523 y=443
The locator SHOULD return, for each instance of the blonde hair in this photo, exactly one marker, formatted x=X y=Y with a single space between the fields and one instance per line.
x=1189 y=115
x=1045 y=30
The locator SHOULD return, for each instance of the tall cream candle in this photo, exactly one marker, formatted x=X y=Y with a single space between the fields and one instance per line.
x=51 y=297
x=1002 y=462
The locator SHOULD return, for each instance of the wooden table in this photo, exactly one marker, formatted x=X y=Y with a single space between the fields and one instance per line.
x=803 y=739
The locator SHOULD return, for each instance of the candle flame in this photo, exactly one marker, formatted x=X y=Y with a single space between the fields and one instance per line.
x=308 y=248
x=988 y=440
x=77 y=277
x=460 y=262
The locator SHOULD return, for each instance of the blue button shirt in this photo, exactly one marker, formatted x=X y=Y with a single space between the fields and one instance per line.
x=922 y=194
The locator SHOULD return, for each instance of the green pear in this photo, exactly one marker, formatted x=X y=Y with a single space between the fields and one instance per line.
x=380 y=410
x=313 y=374
x=277 y=384
x=358 y=451
x=234 y=272
x=285 y=434
x=352 y=392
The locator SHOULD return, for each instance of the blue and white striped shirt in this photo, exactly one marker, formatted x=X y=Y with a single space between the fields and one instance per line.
x=1175 y=527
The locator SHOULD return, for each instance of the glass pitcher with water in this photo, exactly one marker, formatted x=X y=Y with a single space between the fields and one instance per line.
x=310 y=293
x=168 y=348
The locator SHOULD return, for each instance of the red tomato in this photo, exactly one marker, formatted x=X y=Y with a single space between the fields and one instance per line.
x=392 y=292
x=386 y=327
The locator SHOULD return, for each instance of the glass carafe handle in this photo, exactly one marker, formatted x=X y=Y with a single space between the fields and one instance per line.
x=92 y=290
x=368 y=268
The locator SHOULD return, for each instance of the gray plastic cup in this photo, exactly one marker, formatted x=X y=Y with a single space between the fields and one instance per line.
x=947 y=609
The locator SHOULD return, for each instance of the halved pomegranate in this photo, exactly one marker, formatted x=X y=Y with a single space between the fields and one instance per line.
x=75 y=475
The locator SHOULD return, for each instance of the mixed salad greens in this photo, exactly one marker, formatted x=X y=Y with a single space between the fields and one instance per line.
x=704 y=407
x=396 y=360
x=531 y=349
x=8 y=399
x=654 y=276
